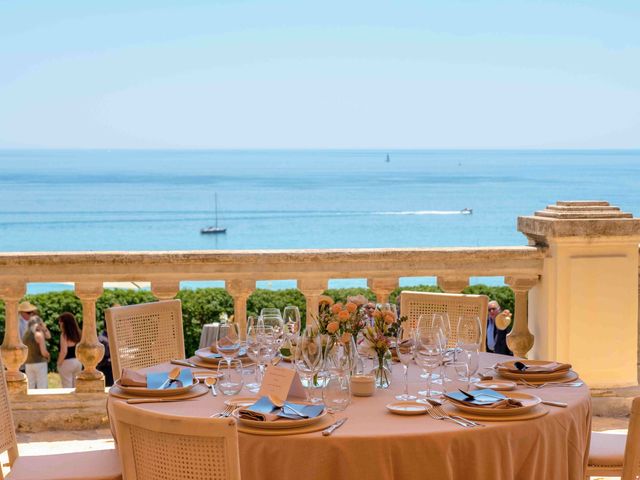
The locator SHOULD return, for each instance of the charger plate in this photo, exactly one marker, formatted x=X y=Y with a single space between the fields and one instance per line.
x=154 y=392
x=567 y=376
x=323 y=423
x=279 y=424
x=197 y=390
x=536 y=412
x=507 y=369
x=528 y=403
x=205 y=355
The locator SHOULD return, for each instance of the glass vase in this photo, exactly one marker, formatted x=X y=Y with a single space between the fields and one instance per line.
x=382 y=372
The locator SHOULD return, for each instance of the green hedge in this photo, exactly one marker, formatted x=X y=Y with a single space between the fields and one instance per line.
x=205 y=305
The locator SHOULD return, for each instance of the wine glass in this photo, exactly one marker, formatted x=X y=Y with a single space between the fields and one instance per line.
x=291 y=319
x=230 y=378
x=469 y=338
x=428 y=353
x=405 y=347
x=270 y=312
x=442 y=320
x=255 y=346
x=456 y=375
x=228 y=341
x=310 y=349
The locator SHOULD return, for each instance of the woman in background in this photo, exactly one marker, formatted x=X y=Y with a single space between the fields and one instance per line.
x=68 y=364
x=35 y=338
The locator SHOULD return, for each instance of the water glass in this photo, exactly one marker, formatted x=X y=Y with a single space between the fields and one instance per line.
x=230 y=379
x=428 y=353
x=405 y=347
x=456 y=377
x=336 y=394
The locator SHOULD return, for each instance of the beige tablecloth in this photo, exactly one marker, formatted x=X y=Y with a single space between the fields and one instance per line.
x=375 y=444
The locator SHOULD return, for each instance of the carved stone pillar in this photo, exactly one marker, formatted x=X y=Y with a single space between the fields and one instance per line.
x=89 y=351
x=165 y=290
x=453 y=284
x=382 y=287
x=240 y=290
x=13 y=351
x=520 y=339
x=312 y=288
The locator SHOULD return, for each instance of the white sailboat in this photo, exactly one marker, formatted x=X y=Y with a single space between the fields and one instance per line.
x=214 y=229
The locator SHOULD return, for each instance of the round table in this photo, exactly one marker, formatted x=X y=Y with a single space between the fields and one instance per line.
x=376 y=444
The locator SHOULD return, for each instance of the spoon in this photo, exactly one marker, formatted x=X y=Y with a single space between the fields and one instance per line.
x=210 y=382
x=281 y=404
x=173 y=376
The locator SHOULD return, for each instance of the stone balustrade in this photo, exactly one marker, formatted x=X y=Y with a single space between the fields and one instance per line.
x=576 y=283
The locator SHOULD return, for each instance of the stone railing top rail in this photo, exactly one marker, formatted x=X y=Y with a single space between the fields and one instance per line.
x=269 y=264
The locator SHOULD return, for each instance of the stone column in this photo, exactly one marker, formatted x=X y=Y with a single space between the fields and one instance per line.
x=312 y=288
x=585 y=307
x=165 y=290
x=382 y=287
x=89 y=351
x=520 y=339
x=13 y=351
x=453 y=284
x=240 y=289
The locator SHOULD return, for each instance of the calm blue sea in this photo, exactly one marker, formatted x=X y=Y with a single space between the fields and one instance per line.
x=159 y=200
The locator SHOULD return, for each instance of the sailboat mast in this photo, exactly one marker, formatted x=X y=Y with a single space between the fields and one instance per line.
x=215 y=200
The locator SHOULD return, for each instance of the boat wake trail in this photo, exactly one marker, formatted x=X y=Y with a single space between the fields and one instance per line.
x=422 y=212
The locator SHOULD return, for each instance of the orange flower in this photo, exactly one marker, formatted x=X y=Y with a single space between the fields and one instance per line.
x=325 y=300
x=346 y=337
x=343 y=315
x=333 y=327
x=389 y=318
x=377 y=314
x=336 y=307
x=351 y=307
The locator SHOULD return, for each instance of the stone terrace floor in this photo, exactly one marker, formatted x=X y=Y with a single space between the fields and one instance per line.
x=60 y=441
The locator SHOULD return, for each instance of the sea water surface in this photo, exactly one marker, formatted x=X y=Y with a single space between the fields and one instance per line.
x=80 y=200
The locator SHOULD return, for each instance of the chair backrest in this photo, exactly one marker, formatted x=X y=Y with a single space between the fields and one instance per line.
x=631 y=465
x=8 y=442
x=154 y=446
x=144 y=335
x=414 y=304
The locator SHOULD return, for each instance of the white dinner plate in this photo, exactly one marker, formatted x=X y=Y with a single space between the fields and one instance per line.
x=154 y=392
x=407 y=408
x=500 y=385
x=528 y=402
x=281 y=422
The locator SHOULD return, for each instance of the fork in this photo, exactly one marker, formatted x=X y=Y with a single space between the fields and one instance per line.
x=437 y=416
x=227 y=411
x=440 y=411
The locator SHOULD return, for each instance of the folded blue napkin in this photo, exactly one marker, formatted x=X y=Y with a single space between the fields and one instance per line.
x=265 y=410
x=155 y=379
x=486 y=396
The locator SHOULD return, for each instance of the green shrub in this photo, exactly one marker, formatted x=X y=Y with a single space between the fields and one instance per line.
x=205 y=305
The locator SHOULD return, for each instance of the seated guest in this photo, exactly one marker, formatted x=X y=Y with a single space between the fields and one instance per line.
x=68 y=364
x=105 y=364
x=37 y=356
x=498 y=326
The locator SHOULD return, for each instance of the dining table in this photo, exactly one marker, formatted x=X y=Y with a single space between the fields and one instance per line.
x=376 y=444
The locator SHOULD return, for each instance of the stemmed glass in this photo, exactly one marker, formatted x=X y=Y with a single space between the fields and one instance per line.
x=428 y=353
x=257 y=337
x=442 y=321
x=228 y=341
x=469 y=337
x=308 y=359
x=405 y=346
x=291 y=319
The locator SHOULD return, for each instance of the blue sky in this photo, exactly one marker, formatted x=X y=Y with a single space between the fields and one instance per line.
x=347 y=74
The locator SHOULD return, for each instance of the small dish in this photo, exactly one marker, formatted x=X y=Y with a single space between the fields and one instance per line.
x=500 y=385
x=241 y=401
x=407 y=408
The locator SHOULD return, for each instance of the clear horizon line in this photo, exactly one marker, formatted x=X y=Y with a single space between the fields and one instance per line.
x=334 y=149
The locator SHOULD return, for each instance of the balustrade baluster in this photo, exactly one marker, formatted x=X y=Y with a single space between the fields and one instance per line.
x=89 y=351
x=240 y=291
x=520 y=339
x=382 y=287
x=454 y=284
x=312 y=288
x=13 y=351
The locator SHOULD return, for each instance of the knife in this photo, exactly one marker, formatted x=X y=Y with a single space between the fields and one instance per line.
x=555 y=404
x=328 y=431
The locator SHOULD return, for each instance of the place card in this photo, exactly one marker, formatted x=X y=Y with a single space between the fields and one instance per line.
x=281 y=383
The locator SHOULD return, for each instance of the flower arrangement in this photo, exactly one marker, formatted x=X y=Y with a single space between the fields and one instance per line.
x=340 y=320
x=378 y=341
